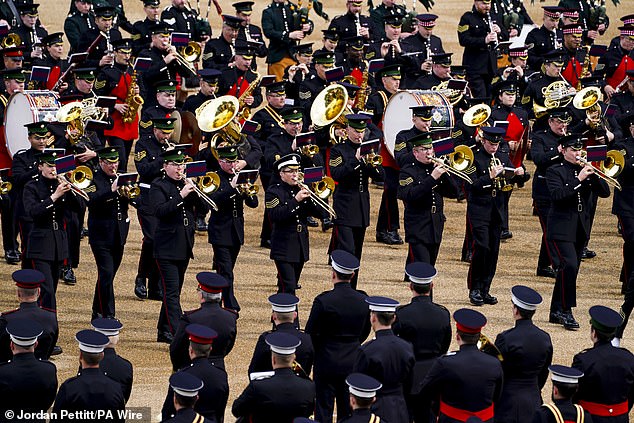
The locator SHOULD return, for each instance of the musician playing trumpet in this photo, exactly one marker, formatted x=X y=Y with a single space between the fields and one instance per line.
x=226 y=226
x=289 y=206
x=422 y=186
x=571 y=187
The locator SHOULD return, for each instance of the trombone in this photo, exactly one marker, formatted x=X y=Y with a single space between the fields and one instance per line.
x=80 y=179
x=450 y=168
x=610 y=168
x=323 y=190
x=207 y=184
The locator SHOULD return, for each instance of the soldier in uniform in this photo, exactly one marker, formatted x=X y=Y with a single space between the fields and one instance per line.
x=527 y=352
x=353 y=24
x=78 y=23
x=571 y=187
x=515 y=15
x=108 y=226
x=615 y=63
x=226 y=225
x=351 y=199
x=289 y=206
x=53 y=48
x=467 y=382
x=163 y=107
x=46 y=200
x=183 y=19
x=248 y=32
x=186 y=387
x=113 y=365
x=388 y=46
x=485 y=206
x=142 y=30
x=624 y=101
x=422 y=45
x=421 y=118
x=565 y=384
x=440 y=72
x=149 y=165
x=545 y=153
x=219 y=51
x=283 y=316
x=430 y=337
x=236 y=80
x=102 y=53
x=573 y=55
x=296 y=74
x=479 y=32
x=208 y=88
x=422 y=185
x=607 y=387
x=211 y=314
x=338 y=323
x=591 y=17
x=173 y=200
x=28 y=384
x=28 y=284
x=91 y=389
x=387 y=358
x=284 y=31
x=30 y=33
x=330 y=40
x=283 y=394
x=362 y=390
x=215 y=391
x=386 y=9
x=315 y=82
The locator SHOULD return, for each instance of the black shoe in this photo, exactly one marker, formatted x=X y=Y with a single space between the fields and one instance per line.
x=569 y=321
x=467 y=257
x=139 y=288
x=84 y=233
x=68 y=276
x=382 y=237
x=155 y=295
x=378 y=184
x=201 y=226
x=556 y=317
x=476 y=298
x=310 y=221
x=506 y=235
x=489 y=299
x=164 y=337
x=57 y=350
x=265 y=243
x=588 y=254
x=12 y=256
x=326 y=224
x=396 y=238
x=546 y=272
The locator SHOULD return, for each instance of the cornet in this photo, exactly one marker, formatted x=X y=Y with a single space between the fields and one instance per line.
x=372 y=159
x=249 y=189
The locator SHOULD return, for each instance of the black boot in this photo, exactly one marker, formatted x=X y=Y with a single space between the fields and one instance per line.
x=139 y=288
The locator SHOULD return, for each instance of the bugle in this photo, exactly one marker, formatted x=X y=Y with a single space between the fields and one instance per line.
x=316 y=198
x=610 y=179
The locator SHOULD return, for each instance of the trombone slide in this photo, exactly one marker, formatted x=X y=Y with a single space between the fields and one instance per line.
x=607 y=178
x=451 y=170
x=202 y=195
x=73 y=188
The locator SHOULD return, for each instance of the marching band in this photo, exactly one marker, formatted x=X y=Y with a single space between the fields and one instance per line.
x=381 y=102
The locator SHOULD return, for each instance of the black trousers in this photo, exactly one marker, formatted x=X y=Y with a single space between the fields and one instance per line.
x=265 y=232
x=388 y=219
x=24 y=227
x=350 y=239
x=467 y=243
x=124 y=147
x=9 y=240
x=108 y=259
x=423 y=252
x=172 y=274
x=329 y=387
x=147 y=268
x=50 y=269
x=505 y=210
x=288 y=275
x=224 y=261
x=627 y=232
x=547 y=256
x=486 y=249
x=569 y=257
x=74 y=221
x=480 y=84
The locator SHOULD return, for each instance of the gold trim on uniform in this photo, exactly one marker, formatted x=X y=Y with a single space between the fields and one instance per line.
x=463 y=28
x=399 y=146
x=526 y=99
x=335 y=162
x=305 y=95
x=140 y=156
x=145 y=125
x=91 y=188
x=406 y=182
x=273 y=203
x=456 y=134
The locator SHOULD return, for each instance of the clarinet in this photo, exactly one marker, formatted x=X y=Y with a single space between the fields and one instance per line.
x=357 y=23
x=494 y=44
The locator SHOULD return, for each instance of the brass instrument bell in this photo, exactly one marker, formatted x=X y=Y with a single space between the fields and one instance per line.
x=81 y=177
x=208 y=183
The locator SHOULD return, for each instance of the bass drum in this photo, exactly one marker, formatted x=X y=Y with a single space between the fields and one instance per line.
x=27 y=107
x=398 y=116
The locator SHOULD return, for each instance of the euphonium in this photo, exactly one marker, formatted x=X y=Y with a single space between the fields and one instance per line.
x=71 y=113
x=330 y=107
x=133 y=100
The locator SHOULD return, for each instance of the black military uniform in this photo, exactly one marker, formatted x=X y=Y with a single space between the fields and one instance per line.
x=380 y=12
x=283 y=395
x=422 y=194
x=544 y=40
x=534 y=93
x=210 y=314
x=108 y=226
x=182 y=19
x=212 y=398
x=29 y=36
x=285 y=305
x=363 y=390
x=91 y=389
x=467 y=382
x=219 y=51
x=193 y=102
x=47 y=319
x=247 y=31
x=544 y=154
x=430 y=337
x=514 y=12
x=226 y=225
x=289 y=234
x=421 y=50
x=47 y=241
x=173 y=240
x=562 y=408
x=428 y=81
x=312 y=83
x=113 y=365
x=75 y=25
x=351 y=199
x=338 y=323
x=234 y=81
x=104 y=46
x=614 y=64
x=390 y=360
x=27 y=384
x=58 y=66
x=156 y=110
x=346 y=26
x=527 y=352
x=624 y=102
x=142 y=30
x=606 y=390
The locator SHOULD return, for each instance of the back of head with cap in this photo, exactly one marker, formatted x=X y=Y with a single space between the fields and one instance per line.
x=344 y=265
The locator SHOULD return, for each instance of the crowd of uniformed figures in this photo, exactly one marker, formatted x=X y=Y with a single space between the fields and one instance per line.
x=404 y=373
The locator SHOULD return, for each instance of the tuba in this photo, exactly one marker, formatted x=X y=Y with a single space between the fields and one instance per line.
x=330 y=108
x=72 y=113
x=219 y=117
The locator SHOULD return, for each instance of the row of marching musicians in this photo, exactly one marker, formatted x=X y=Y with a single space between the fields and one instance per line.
x=403 y=374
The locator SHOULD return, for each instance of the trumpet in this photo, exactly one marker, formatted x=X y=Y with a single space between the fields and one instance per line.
x=327 y=186
x=500 y=182
x=309 y=150
x=249 y=189
x=608 y=171
x=130 y=191
x=372 y=159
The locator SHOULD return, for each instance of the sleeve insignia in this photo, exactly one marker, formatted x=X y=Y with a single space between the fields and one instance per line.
x=405 y=182
x=136 y=37
x=273 y=203
x=144 y=124
x=100 y=84
x=140 y=156
x=336 y=162
x=526 y=99
x=305 y=95
x=370 y=55
x=170 y=21
x=456 y=134
x=209 y=55
x=462 y=28
x=399 y=146
x=600 y=66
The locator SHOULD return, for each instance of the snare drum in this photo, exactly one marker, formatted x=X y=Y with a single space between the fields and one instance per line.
x=27 y=107
x=398 y=116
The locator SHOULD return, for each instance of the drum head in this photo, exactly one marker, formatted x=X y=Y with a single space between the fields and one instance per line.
x=23 y=108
